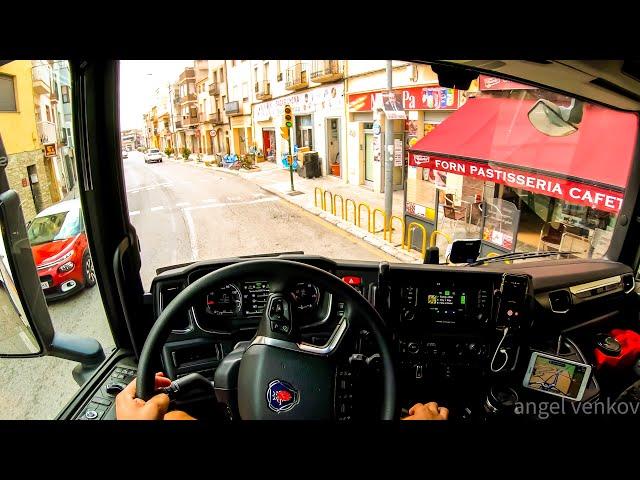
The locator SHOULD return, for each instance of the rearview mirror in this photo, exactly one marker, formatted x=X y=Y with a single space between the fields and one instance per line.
x=554 y=120
x=17 y=333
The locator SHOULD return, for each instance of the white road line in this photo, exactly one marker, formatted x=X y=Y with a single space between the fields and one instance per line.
x=220 y=205
x=182 y=204
x=191 y=230
x=155 y=209
x=134 y=213
x=234 y=199
x=210 y=200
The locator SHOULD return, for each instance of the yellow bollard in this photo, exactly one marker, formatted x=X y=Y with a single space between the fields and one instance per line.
x=410 y=229
x=360 y=205
x=347 y=210
x=434 y=234
x=384 y=222
x=401 y=231
x=335 y=197
x=324 y=201
x=315 y=197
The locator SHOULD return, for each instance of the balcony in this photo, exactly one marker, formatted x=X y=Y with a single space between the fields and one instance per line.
x=46 y=132
x=190 y=97
x=53 y=95
x=215 y=118
x=214 y=89
x=188 y=74
x=41 y=80
x=326 y=70
x=189 y=121
x=233 y=108
x=263 y=90
x=297 y=77
x=178 y=124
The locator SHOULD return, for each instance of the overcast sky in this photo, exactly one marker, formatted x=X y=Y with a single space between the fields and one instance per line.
x=137 y=87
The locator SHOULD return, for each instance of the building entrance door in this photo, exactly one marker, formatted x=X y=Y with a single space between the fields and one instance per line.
x=369 y=164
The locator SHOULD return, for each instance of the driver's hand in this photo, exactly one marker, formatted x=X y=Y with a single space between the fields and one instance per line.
x=128 y=407
x=427 y=411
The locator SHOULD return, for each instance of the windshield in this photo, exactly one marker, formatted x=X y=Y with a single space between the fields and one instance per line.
x=268 y=156
x=57 y=226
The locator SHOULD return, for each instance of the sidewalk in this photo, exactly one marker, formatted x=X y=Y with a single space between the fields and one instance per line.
x=276 y=180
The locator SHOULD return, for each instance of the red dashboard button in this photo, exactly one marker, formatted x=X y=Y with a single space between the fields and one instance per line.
x=351 y=280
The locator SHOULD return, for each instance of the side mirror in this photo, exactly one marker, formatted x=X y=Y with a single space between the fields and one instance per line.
x=26 y=329
x=554 y=120
x=464 y=250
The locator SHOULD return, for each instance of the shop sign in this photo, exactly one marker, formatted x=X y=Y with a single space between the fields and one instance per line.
x=414 y=98
x=321 y=99
x=50 y=150
x=493 y=83
x=574 y=192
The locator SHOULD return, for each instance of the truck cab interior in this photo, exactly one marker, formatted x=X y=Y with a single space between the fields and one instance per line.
x=300 y=336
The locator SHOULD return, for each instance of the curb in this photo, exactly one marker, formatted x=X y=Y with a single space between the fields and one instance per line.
x=357 y=232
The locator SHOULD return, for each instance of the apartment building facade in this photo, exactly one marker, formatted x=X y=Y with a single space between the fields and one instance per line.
x=29 y=131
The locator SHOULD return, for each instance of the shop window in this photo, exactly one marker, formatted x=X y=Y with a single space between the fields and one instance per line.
x=304 y=132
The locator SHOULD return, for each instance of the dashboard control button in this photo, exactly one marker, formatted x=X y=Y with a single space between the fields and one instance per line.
x=352 y=280
x=413 y=348
x=91 y=414
x=418 y=371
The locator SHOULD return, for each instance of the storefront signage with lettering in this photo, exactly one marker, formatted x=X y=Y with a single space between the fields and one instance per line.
x=326 y=99
x=572 y=191
x=414 y=98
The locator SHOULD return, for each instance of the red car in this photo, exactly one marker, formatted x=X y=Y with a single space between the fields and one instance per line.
x=61 y=251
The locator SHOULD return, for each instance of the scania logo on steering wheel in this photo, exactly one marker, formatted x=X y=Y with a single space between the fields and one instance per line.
x=281 y=396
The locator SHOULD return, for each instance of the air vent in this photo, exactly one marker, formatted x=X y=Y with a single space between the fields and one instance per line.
x=560 y=301
x=629 y=283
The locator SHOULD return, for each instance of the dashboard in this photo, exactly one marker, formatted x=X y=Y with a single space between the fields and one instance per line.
x=460 y=336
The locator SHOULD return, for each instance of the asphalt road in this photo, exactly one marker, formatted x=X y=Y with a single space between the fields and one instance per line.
x=181 y=214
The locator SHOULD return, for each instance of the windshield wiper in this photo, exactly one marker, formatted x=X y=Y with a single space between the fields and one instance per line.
x=518 y=256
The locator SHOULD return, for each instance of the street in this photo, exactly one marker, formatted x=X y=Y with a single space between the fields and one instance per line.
x=181 y=214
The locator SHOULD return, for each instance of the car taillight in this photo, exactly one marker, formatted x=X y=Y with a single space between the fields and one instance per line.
x=67 y=267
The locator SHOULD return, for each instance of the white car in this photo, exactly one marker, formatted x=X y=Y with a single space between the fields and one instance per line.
x=153 y=155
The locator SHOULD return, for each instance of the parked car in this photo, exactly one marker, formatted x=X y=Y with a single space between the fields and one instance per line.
x=153 y=155
x=61 y=250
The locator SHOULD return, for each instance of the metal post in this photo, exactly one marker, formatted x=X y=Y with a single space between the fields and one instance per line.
x=291 y=157
x=172 y=133
x=388 y=155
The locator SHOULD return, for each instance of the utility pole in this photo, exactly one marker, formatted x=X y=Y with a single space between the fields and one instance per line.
x=172 y=130
x=388 y=157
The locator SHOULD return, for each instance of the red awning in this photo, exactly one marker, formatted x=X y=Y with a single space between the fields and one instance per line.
x=498 y=130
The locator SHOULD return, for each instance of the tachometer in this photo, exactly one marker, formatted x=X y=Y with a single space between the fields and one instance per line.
x=306 y=296
x=225 y=301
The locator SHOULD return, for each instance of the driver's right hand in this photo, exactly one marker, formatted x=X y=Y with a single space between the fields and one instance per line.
x=128 y=407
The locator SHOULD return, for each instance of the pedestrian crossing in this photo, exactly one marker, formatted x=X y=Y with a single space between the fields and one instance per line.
x=223 y=201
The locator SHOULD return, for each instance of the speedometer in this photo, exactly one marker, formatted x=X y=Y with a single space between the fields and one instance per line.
x=305 y=296
x=225 y=301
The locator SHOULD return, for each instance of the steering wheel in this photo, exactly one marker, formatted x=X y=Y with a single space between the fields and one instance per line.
x=280 y=377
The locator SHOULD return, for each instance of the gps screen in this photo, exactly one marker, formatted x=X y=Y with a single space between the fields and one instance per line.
x=556 y=376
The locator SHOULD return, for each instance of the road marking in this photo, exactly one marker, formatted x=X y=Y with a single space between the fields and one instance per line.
x=210 y=200
x=182 y=204
x=234 y=199
x=146 y=188
x=191 y=230
x=330 y=226
x=231 y=204
x=134 y=213
x=155 y=209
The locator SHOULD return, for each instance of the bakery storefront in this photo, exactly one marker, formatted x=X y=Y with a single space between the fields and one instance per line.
x=486 y=172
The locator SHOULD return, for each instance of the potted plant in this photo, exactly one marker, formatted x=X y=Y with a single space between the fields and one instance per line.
x=185 y=153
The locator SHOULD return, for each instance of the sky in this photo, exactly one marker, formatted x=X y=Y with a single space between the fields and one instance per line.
x=137 y=87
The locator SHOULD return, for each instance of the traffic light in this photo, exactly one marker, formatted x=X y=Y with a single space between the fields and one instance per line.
x=284 y=132
x=288 y=116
